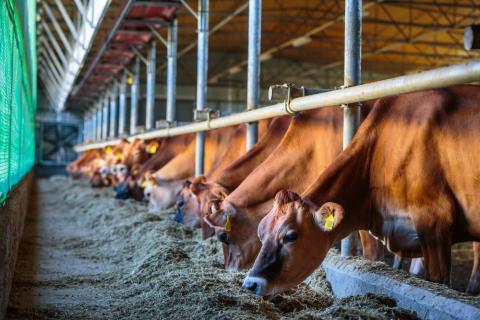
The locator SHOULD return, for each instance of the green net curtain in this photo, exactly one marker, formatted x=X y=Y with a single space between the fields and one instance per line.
x=18 y=91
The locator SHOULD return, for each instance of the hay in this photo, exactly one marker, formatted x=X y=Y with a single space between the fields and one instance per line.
x=140 y=265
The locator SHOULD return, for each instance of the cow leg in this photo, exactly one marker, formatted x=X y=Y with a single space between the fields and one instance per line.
x=397 y=262
x=416 y=267
x=372 y=248
x=436 y=248
x=474 y=282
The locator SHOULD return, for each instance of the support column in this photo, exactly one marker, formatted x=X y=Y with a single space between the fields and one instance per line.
x=202 y=73
x=253 y=81
x=135 y=89
x=105 y=118
x=172 y=71
x=85 y=129
x=351 y=113
x=113 y=110
x=99 y=120
x=93 y=129
x=122 y=106
x=151 y=71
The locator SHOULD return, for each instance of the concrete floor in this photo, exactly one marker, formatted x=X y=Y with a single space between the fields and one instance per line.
x=44 y=265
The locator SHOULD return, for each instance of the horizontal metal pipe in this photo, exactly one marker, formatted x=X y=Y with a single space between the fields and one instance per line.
x=436 y=78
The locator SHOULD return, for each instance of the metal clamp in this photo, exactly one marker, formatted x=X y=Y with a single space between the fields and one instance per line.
x=205 y=114
x=291 y=91
x=164 y=124
x=343 y=106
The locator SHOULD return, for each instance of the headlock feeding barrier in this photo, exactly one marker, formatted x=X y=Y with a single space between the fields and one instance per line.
x=18 y=91
x=351 y=93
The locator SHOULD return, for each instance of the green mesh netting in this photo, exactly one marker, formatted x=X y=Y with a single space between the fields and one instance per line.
x=18 y=91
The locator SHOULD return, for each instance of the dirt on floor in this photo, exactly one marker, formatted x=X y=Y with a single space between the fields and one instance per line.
x=86 y=255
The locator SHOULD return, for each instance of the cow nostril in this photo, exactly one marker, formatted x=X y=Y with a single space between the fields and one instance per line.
x=148 y=194
x=250 y=285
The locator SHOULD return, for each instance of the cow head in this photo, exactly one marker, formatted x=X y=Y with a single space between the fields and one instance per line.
x=236 y=229
x=192 y=203
x=120 y=171
x=186 y=209
x=295 y=235
x=161 y=194
x=139 y=152
x=97 y=180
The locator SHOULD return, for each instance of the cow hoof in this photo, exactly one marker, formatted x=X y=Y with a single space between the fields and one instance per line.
x=473 y=288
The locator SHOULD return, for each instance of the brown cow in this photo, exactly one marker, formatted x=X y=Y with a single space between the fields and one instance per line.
x=161 y=152
x=410 y=176
x=83 y=166
x=234 y=166
x=102 y=175
x=312 y=141
x=170 y=177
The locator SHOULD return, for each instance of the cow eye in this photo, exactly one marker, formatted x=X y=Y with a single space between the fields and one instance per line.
x=290 y=237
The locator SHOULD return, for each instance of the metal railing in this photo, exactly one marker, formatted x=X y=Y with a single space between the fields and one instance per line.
x=436 y=78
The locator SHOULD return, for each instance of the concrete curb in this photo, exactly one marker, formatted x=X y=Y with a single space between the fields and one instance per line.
x=353 y=276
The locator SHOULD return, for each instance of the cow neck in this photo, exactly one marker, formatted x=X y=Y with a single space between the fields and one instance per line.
x=346 y=182
x=232 y=176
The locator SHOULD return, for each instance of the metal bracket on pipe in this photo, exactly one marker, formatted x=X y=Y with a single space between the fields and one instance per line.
x=355 y=104
x=205 y=114
x=278 y=91
x=123 y=135
x=164 y=124
x=287 y=89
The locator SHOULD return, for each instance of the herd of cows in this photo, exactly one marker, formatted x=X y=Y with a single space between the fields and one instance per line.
x=409 y=181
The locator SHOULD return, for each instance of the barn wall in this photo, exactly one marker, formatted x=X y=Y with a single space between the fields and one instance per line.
x=12 y=217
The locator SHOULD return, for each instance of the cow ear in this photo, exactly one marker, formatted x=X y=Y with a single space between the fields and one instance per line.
x=329 y=215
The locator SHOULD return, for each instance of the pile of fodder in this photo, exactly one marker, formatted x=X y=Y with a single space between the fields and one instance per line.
x=156 y=268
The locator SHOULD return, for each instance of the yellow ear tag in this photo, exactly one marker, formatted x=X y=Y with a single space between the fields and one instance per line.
x=153 y=149
x=108 y=150
x=118 y=155
x=228 y=224
x=222 y=195
x=143 y=184
x=328 y=223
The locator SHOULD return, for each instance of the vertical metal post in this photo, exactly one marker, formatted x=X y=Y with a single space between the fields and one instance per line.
x=99 y=121
x=253 y=81
x=202 y=73
x=151 y=71
x=105 y=118
x=351 y=113
x=135 y=89
x=91 y=129
x=84 y=129
x=93 y=135
x=113 y=110
x=122 y=106
x=172 y=70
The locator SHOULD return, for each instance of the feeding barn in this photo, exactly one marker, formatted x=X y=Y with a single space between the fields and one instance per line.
x=239 y=159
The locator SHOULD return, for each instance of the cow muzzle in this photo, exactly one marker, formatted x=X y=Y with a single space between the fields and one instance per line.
x=122 y=191
x=256 y=285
